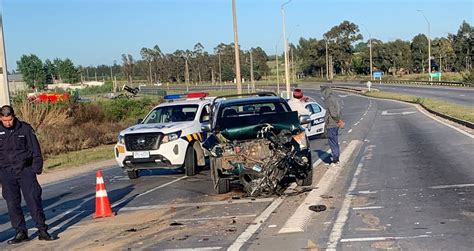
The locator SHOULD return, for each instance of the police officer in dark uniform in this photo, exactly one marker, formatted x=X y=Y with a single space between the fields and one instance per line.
x=20 y=162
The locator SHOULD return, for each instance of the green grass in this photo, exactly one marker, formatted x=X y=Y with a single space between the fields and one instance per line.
x=458 y=111
x=79 y=158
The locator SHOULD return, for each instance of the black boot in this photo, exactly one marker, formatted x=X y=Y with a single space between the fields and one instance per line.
x=20 y=237
x=43 y=235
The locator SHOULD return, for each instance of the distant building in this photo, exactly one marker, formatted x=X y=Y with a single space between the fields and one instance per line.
x=16 y=83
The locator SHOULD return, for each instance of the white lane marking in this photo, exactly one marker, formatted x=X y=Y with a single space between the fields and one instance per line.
x=194 y=204
x=452 y=186
x=367 y=208
x=149 y=191
x=343 y=215
x=391 y=238
x=349 y=131
x=386 y=113
x=367 y=192
x=251 y=229
x=357 y=123
x=194 y=249
x=217 y=217
x=302 y=215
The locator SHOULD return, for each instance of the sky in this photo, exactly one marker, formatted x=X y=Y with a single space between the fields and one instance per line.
x=93 y=32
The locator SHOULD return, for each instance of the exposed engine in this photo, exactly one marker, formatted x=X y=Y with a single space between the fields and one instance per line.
x=261 y=164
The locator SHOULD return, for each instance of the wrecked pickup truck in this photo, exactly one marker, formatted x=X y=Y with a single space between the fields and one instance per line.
x=258 y=140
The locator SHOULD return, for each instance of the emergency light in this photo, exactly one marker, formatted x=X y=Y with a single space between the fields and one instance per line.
x=188 y=95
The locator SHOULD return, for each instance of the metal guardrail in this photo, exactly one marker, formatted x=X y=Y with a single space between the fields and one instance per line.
x=424 y=82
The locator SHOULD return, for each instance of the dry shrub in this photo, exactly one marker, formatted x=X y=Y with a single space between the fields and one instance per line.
x=43 y=115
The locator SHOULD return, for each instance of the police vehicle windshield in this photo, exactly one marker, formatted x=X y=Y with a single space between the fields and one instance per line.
x=168 y=114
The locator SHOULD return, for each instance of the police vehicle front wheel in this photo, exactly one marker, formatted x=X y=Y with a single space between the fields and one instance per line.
x=190 y=161
x=132 y=174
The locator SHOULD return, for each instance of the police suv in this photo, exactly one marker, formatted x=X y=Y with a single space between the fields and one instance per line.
x=169 y=137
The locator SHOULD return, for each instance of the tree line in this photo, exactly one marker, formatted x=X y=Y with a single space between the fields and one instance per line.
x=343 y=45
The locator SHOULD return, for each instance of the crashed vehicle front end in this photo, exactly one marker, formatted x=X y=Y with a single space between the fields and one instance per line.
x=262 y=151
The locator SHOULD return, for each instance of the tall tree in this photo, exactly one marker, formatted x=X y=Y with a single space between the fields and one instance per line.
x=419 y=52
x=341 y=38
x=127 y=66
x=31 y=67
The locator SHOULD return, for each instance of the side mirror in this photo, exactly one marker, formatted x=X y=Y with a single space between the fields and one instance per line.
x=206 y=127
x=139 y=121
x=305 y=119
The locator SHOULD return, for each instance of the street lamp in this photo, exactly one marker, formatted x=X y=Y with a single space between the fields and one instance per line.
x=4 y=90
x=370 y=49
x=285 y=42
x=237 y=51
x=429 y=44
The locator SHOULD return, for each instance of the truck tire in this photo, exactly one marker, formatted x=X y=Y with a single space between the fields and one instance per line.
x=308 y=181
x=132 y=174
x=221 y=186
x=190 y=161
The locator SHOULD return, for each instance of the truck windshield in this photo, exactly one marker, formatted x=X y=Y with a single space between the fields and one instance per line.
x=168 y=114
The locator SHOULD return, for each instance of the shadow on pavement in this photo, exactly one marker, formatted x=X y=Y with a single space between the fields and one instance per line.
x=324 y=156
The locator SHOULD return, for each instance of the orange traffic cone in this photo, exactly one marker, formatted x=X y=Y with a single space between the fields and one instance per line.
x=102 y=205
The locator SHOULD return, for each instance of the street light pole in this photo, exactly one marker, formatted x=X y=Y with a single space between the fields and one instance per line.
x=285 y=41
x=278 y=72
x=429 y=44
x=237 y=51
x=327 y=60
x=370 y=51
x=4 y=90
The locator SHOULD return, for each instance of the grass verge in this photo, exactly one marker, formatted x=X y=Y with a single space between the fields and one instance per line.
x=79 y=158
x=458 y=111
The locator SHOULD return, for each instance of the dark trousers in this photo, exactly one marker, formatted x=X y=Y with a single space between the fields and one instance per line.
x=13 y=185
x=334 y=143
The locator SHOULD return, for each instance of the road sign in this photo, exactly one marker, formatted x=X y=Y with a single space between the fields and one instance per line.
x=436 y=74
x=377 y=74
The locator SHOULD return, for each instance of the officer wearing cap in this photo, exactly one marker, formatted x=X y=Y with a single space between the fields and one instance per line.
x=297 y=103
x=20 y=162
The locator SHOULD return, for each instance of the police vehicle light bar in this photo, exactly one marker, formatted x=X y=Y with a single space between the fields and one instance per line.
x=188 y=95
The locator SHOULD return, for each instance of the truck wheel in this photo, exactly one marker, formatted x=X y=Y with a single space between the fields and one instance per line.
x=221 y=186
x=308 y=181
x=132 y=174
x=190 y=162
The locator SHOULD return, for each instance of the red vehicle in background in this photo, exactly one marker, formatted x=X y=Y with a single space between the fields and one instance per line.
x=49 y=97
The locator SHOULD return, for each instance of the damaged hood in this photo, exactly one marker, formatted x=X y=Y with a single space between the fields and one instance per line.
x=248 y=127
x=164 y=128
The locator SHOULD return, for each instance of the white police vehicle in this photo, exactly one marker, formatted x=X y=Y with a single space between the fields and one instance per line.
x=317 y=117
x=169 y=137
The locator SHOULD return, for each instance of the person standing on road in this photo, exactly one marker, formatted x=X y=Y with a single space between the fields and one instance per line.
x=20 y=162
x=333 y=121
x=297 y=103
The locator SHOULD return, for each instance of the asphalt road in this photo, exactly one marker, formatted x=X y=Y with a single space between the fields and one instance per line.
x=458 y=95
x=413 y=190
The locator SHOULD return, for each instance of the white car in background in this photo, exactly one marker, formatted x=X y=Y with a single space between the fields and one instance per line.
x=317 y=117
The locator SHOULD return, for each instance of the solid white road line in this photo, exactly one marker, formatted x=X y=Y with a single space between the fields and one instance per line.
x=367 y=192
x=251 y=229
x=391 y=238
x=194 y=249
x=151 y=190
x=302 y=215
x=343 y=214
x=452 y=186
x=367 y=208
x=194 y=204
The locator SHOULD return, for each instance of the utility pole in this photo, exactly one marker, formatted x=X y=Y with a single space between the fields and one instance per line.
x=220 y=69
x=251 y=71
x=149 y=73
x=186 y=71
x=327 y=60
x=278 y=73
x=4 y=90
x=111 y=74
x=429 y=44
x=285 y=41
x=237 y=51
x=293 y=71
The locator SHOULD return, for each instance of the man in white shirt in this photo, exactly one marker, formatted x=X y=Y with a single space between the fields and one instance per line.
x=297 y=103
